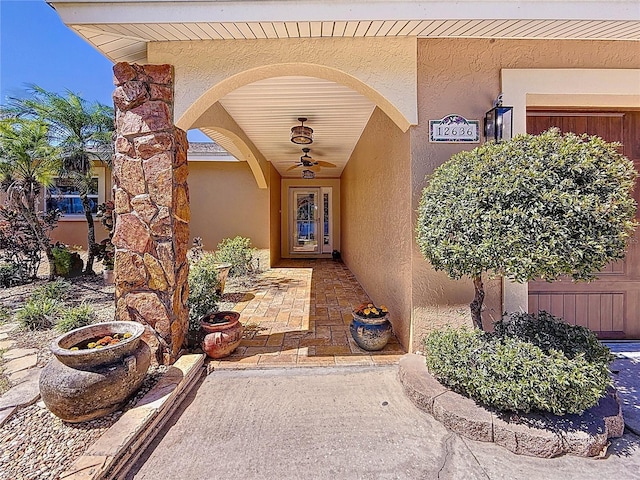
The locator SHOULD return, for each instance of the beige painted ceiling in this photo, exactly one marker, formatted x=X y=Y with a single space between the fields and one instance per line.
x=266 y=111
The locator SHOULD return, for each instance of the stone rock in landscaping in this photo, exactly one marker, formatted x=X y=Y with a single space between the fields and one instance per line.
x=545 y=435
x=6 y=344
x=24 y=393
x=22 y=363
x=19 y=353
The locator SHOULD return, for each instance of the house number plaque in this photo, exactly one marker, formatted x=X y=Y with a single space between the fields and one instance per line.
x=454 y=129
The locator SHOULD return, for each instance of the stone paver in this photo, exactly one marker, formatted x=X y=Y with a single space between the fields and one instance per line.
x=19 y=353
x=21 y=363
x=298 y=315
x=25 y=393
x=6 y=344
x=9 y=327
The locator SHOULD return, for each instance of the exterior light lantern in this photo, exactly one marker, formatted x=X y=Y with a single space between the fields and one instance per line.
x=498 y=122
x=300 y=134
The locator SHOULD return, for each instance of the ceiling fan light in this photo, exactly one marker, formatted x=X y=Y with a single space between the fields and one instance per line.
x=301 y=135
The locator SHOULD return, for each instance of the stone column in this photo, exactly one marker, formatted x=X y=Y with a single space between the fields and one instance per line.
x=151 y=199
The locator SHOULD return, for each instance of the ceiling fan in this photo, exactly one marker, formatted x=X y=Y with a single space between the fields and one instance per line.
x=309 y=163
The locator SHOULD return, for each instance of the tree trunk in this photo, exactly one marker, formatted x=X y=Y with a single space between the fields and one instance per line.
x=91 y=234
x=476 y=305
x=41 y=238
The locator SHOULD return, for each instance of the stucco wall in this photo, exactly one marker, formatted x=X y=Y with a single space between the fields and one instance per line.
x=226 y=202
x=382 y=69
x=463 y=76
x=274 y=222
x=376 y=218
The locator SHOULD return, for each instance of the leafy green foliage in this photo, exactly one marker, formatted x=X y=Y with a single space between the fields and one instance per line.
x=512 y=375
x=9 y=274
x=551 y=333
x=66 y=263
x=535 y=206
x=39 y=313
x=76 y=317
x=28 y=162
x=56 y=290
x=203 y=280
x=238 y=252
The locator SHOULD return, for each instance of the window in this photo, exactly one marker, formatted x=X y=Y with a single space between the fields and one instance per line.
x=64 y=195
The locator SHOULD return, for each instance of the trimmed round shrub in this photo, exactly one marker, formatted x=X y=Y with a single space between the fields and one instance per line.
x=551 y=333
x=509 y=374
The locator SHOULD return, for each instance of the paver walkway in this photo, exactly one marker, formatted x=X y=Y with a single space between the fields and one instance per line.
x=298 y=314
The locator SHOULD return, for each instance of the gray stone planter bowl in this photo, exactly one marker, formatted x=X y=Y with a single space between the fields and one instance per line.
x=88 y=359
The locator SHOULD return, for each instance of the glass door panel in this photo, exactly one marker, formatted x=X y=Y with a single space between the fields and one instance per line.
x=305 y=221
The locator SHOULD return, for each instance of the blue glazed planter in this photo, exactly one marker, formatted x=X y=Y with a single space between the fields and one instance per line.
x=371 y=333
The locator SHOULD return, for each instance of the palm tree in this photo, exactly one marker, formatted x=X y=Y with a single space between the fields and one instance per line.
x=83 y=132
x=28 y=162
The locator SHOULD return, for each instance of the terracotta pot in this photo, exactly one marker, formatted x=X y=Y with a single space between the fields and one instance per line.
x=223 y=333
x=371 y=333
x=82 y=385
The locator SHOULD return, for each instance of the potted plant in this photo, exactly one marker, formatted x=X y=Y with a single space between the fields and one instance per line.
x=370 y=327
x=223 y=333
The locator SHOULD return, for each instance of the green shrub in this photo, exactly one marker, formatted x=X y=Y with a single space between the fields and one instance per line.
x=238 y=252
x=203 y=299
x=56 y=290
x=76 y=317
x=551 y=333
x=9 y=274
x=508 y=374
x=66 y=263
x=38 y=313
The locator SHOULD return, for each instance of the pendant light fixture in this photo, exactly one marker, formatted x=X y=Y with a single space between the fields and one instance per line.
x=300 y=134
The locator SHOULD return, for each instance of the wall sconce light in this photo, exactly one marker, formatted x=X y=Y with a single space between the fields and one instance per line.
x=498 y=122
x=300 y=134
x=308 y=174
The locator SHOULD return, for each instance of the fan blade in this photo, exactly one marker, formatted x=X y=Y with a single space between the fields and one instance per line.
x=315 y=168
x=294 y=166
x=326 y=164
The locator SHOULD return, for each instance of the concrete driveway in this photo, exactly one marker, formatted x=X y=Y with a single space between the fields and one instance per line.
x=339 y=423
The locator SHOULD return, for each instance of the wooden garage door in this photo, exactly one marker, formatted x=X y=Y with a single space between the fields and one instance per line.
x=610 y=305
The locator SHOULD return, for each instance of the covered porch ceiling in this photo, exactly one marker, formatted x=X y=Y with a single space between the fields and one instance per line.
x=266 y=110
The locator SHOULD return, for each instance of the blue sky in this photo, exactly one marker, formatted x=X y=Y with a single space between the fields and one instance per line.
x=36 y=47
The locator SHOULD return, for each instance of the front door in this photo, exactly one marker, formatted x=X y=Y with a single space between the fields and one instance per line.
x=310 y=222
x=610 y=305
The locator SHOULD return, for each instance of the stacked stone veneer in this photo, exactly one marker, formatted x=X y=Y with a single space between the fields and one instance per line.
x=151 y=199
